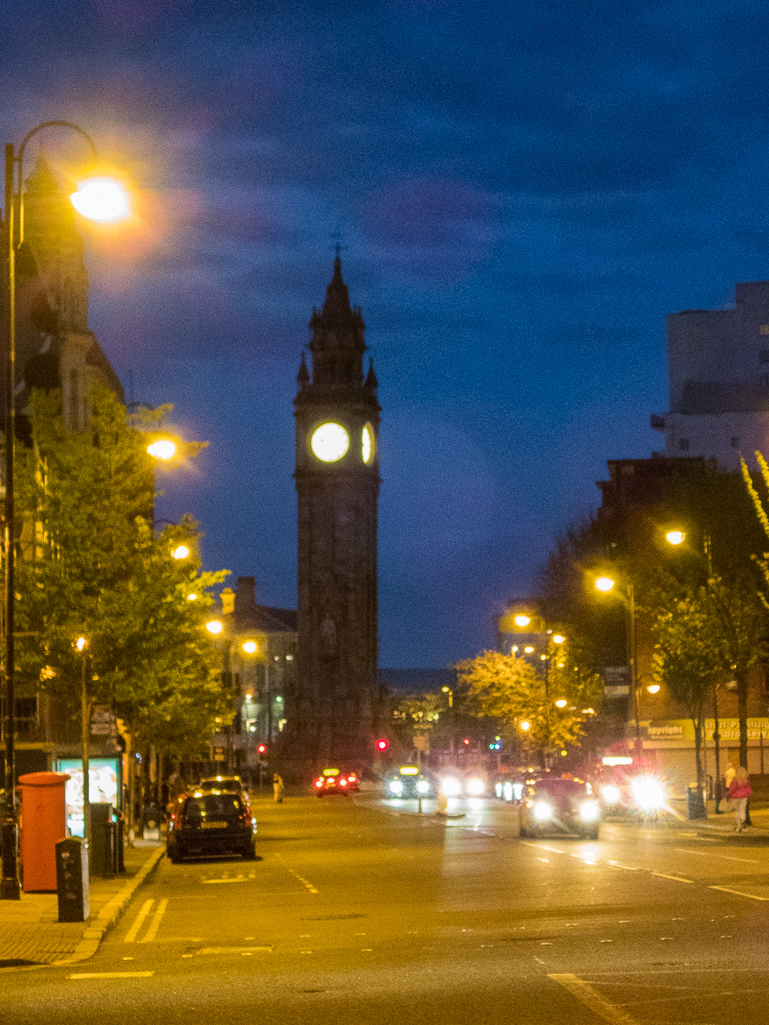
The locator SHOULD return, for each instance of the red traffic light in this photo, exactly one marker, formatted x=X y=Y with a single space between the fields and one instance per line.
x=262 y=749
x=382 y=744
x=466 y=740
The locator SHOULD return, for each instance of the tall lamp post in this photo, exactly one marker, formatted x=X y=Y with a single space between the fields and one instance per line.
x=100 y=199
x=606 y=584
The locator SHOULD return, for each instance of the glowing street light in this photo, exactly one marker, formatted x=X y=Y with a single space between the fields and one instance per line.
x=180 y=552
x=250 y=647
x=83 y=201
x=606 y=584
x=101 y=199
x=215 y=626
x=522 y=620
x=675 y=537
x=162 y=448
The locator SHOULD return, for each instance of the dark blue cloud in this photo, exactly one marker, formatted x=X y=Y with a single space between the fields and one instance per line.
x=524 y=194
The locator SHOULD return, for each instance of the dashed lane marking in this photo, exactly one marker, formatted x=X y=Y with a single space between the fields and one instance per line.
x=585 y=993
x=305 y=882
x=739 y=893
x=676 y=879
x=110 y=975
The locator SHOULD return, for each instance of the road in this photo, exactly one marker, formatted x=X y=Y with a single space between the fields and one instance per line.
x=364 y=912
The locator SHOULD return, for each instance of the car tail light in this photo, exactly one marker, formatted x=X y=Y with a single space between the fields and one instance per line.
x=318 y=783
x=342 y=782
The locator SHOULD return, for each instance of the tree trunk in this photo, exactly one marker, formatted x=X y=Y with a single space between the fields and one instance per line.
x=698 y=753
x=742 y=711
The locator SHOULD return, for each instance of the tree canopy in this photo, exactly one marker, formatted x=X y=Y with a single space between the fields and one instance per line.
x=93 y=565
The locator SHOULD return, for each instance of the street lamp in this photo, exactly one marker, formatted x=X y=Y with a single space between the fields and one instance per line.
x=85 y=731
x=101 y=200
x=606 y=584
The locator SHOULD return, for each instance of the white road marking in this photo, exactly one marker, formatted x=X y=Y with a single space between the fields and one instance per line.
x=152 y=932
x=739 y=893
x=305 y=882
x=133 y=932
x=585 y=993
x=676 y=879
x=712 y=854
x=542 y=847
x=226 y=879
x=232 y=950
x=111 y=975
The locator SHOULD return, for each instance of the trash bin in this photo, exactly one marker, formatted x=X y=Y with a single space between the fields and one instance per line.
x=695 y=802
x=44 y=821
x=72 y=879
x=103 y=840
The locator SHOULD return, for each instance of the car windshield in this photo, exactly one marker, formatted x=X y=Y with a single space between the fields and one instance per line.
x=211 y=806
x=561 y=787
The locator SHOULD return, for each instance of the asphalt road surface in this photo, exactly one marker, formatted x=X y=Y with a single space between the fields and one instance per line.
x=360 y=911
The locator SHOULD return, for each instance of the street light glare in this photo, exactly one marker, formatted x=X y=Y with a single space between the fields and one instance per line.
x=522 y=620
x=80 y=643
x=101 y=199
x=561 y=703
x=604 y=583
x=525 y=725
x=675 y=537
x=214 y=626
x=163 y=448
x=181 y=552
x=558 y=638
x=249 y=647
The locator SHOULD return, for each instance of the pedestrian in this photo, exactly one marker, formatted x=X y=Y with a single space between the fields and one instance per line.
x=277 y=788
x=739 y=792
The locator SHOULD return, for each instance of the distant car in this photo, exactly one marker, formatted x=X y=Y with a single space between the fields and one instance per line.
x=208 y=822
x=224 y=784
x=335 y=781
x=554 y=805
x=507 y=788
x=410 y=781
x=454 y=783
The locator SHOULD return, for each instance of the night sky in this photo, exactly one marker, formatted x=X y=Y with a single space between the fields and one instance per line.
x=524 y=192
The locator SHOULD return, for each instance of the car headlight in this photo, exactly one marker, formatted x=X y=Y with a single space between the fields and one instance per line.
x=648 y=793
x=451 y=786
x=423 y=786
x=395 y=786
x=611 y=794
x=589 y=811
x=507 y=791
x=542 y=811
x=475 y=786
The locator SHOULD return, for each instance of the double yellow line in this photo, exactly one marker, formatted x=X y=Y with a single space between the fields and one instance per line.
x=144 y=912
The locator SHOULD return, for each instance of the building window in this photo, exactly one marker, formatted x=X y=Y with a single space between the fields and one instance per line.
x=763 y=355
x=734 y=442
x=683 y=444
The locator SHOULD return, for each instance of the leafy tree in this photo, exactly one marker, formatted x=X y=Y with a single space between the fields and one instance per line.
x=93 y=566
x=509 y=690
x=689 y=659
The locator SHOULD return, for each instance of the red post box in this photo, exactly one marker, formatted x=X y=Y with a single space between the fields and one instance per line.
x=43 y=824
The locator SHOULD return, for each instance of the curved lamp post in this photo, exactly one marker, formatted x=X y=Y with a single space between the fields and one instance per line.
x=606 y=584
x=99 y=199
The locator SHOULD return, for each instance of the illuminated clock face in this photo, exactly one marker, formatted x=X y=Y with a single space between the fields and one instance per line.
x=367 y=444
x=330 y=442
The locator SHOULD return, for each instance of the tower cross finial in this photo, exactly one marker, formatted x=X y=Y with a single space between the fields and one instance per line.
x=337 y=239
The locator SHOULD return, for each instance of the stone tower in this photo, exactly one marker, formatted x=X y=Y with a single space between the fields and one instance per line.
x=337 y=482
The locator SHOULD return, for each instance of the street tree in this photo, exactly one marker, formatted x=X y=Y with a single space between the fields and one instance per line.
x=532 y=707
x=92 y=566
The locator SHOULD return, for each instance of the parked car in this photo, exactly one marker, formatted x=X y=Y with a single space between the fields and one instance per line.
x=557 y=805
x=335 y=781
x=209 y=822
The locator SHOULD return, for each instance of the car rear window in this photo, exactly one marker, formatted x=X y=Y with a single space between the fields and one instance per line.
x=211 y=806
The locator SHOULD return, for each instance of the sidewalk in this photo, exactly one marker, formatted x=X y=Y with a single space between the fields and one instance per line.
x=724 y=823
x=32 y=936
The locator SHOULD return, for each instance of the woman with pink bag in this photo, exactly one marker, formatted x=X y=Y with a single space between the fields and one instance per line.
x=739 y=792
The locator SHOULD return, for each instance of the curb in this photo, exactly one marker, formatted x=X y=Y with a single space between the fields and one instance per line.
x=110 y=913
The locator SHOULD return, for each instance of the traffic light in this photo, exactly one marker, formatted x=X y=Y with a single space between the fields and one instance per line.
x=466 y=741
x=261 y=754
x=382 y=744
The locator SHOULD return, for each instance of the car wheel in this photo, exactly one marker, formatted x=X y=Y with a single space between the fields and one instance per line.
x=249 y=852
x=173 y=857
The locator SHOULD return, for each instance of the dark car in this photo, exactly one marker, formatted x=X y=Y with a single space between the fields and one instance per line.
x=230 y=784
x=555 y=805
x=209 y=822
x=410 y=781
x=335 y=781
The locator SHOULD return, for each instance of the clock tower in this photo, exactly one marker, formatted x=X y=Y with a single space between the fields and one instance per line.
x=337 y=482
